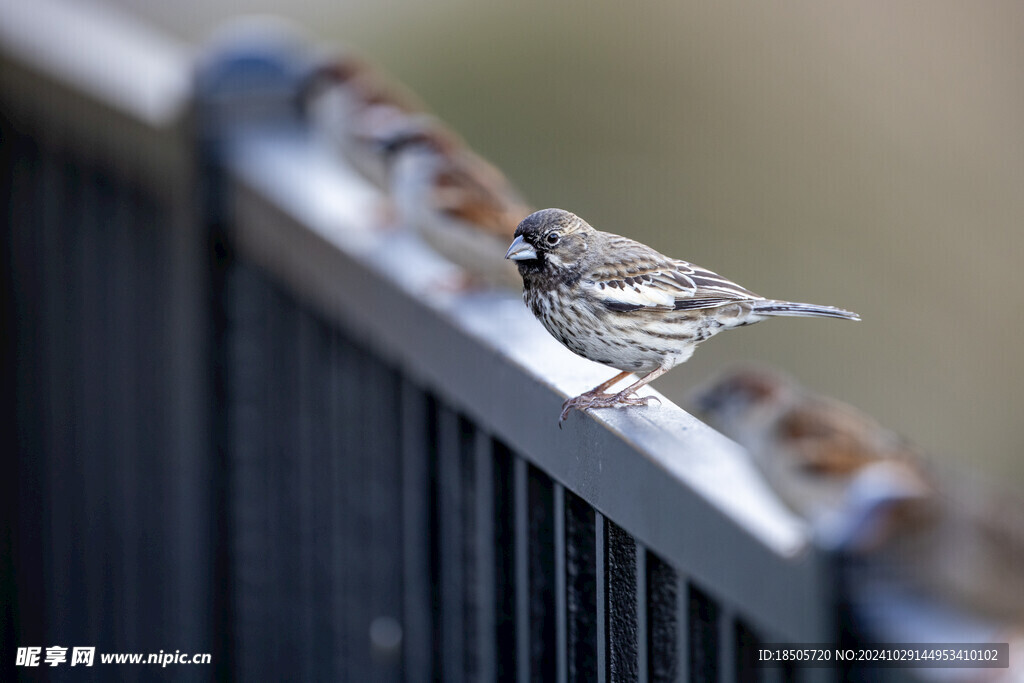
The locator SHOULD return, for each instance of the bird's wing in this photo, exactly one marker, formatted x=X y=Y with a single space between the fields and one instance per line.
x=640 y=277
x=472 y=190
x=831 y=438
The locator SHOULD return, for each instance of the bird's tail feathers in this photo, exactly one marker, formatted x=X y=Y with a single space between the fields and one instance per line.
x=769 y=307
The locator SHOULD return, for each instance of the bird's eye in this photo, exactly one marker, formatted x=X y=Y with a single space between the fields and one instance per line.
x=553 y=238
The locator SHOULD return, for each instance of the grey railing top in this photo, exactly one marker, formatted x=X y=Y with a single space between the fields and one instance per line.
x=117 y=61
x=686 y=492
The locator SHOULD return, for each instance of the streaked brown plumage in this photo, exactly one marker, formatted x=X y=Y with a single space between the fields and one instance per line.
x=621 y=303
x=813 y=450
x=462 y=206
x=865 y=490
x=351 y=103
x=370 y=83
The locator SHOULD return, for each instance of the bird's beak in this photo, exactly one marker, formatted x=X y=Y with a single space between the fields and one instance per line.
x=520 y=250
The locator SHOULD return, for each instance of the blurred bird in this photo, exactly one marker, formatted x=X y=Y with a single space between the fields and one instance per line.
x=461 y=205
x=835 y=466
x=349 y=102
x=621 y=303
x=971 y=551
x=870 y=493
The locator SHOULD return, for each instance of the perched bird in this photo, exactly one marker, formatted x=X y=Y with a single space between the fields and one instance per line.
x=619 y=302
x=849 y=476
x=461 y=205
x=971 y=551
x=350 y=103
x=913 y=527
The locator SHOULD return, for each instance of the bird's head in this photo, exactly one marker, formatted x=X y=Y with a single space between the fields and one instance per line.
x=325 y=75
x=395 y=139
x=743 y=398
x=550 y=239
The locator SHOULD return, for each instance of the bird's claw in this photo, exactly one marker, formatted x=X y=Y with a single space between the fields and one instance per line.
x=592 y=400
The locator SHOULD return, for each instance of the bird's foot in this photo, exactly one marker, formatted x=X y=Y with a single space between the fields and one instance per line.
x=602 y=400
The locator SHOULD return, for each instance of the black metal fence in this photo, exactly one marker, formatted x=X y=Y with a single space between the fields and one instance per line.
x=238 y=426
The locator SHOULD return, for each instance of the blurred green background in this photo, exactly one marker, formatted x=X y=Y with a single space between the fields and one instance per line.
x=868 y=155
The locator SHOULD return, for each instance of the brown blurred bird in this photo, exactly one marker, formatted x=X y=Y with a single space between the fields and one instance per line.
x=461 y=205
x=970 y=552
x=838 y=468
x=867 y=491
x=350 y=102
x=621 y=303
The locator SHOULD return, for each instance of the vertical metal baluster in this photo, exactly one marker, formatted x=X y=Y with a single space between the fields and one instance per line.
x=540 y=544
x=59 y=428
x=9 y=198
x=484 y=598
x=320 y=420
x=684 y=653
x=789 y=674
x=333 y=470
x=747 y=644
x=95 y=342
x=246 y=462
x=346 y=551
x=285 y=338
x=601 y=585
x=305 y=458
x=727 y=650
x=582 y=606
x=621 y=602
x=188 y=404
x=466 y=444
x=361 y=452
x=28 y=481
x=154 y=475
x=561 y=588
x=505 y=601
x=450 y=499
x=417 y=532
x=641 y=602
x=384 y=501
x=703 y=627
x=280 y=413
x=522 y=568
x=663 y=620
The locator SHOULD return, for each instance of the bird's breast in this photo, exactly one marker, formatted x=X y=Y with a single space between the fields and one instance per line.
x=589 y=330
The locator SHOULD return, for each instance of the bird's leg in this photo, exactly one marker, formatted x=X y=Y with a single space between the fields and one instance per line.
x=596 y=398
x=604 y=386
x=635 y=386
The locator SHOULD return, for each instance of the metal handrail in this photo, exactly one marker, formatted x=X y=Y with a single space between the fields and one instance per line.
x=213 y=164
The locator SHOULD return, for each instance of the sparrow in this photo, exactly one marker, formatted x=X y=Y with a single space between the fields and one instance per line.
x=349 y=102
x=618 y=302
x=461 y=205
x=874 y=496
x=852 y=479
